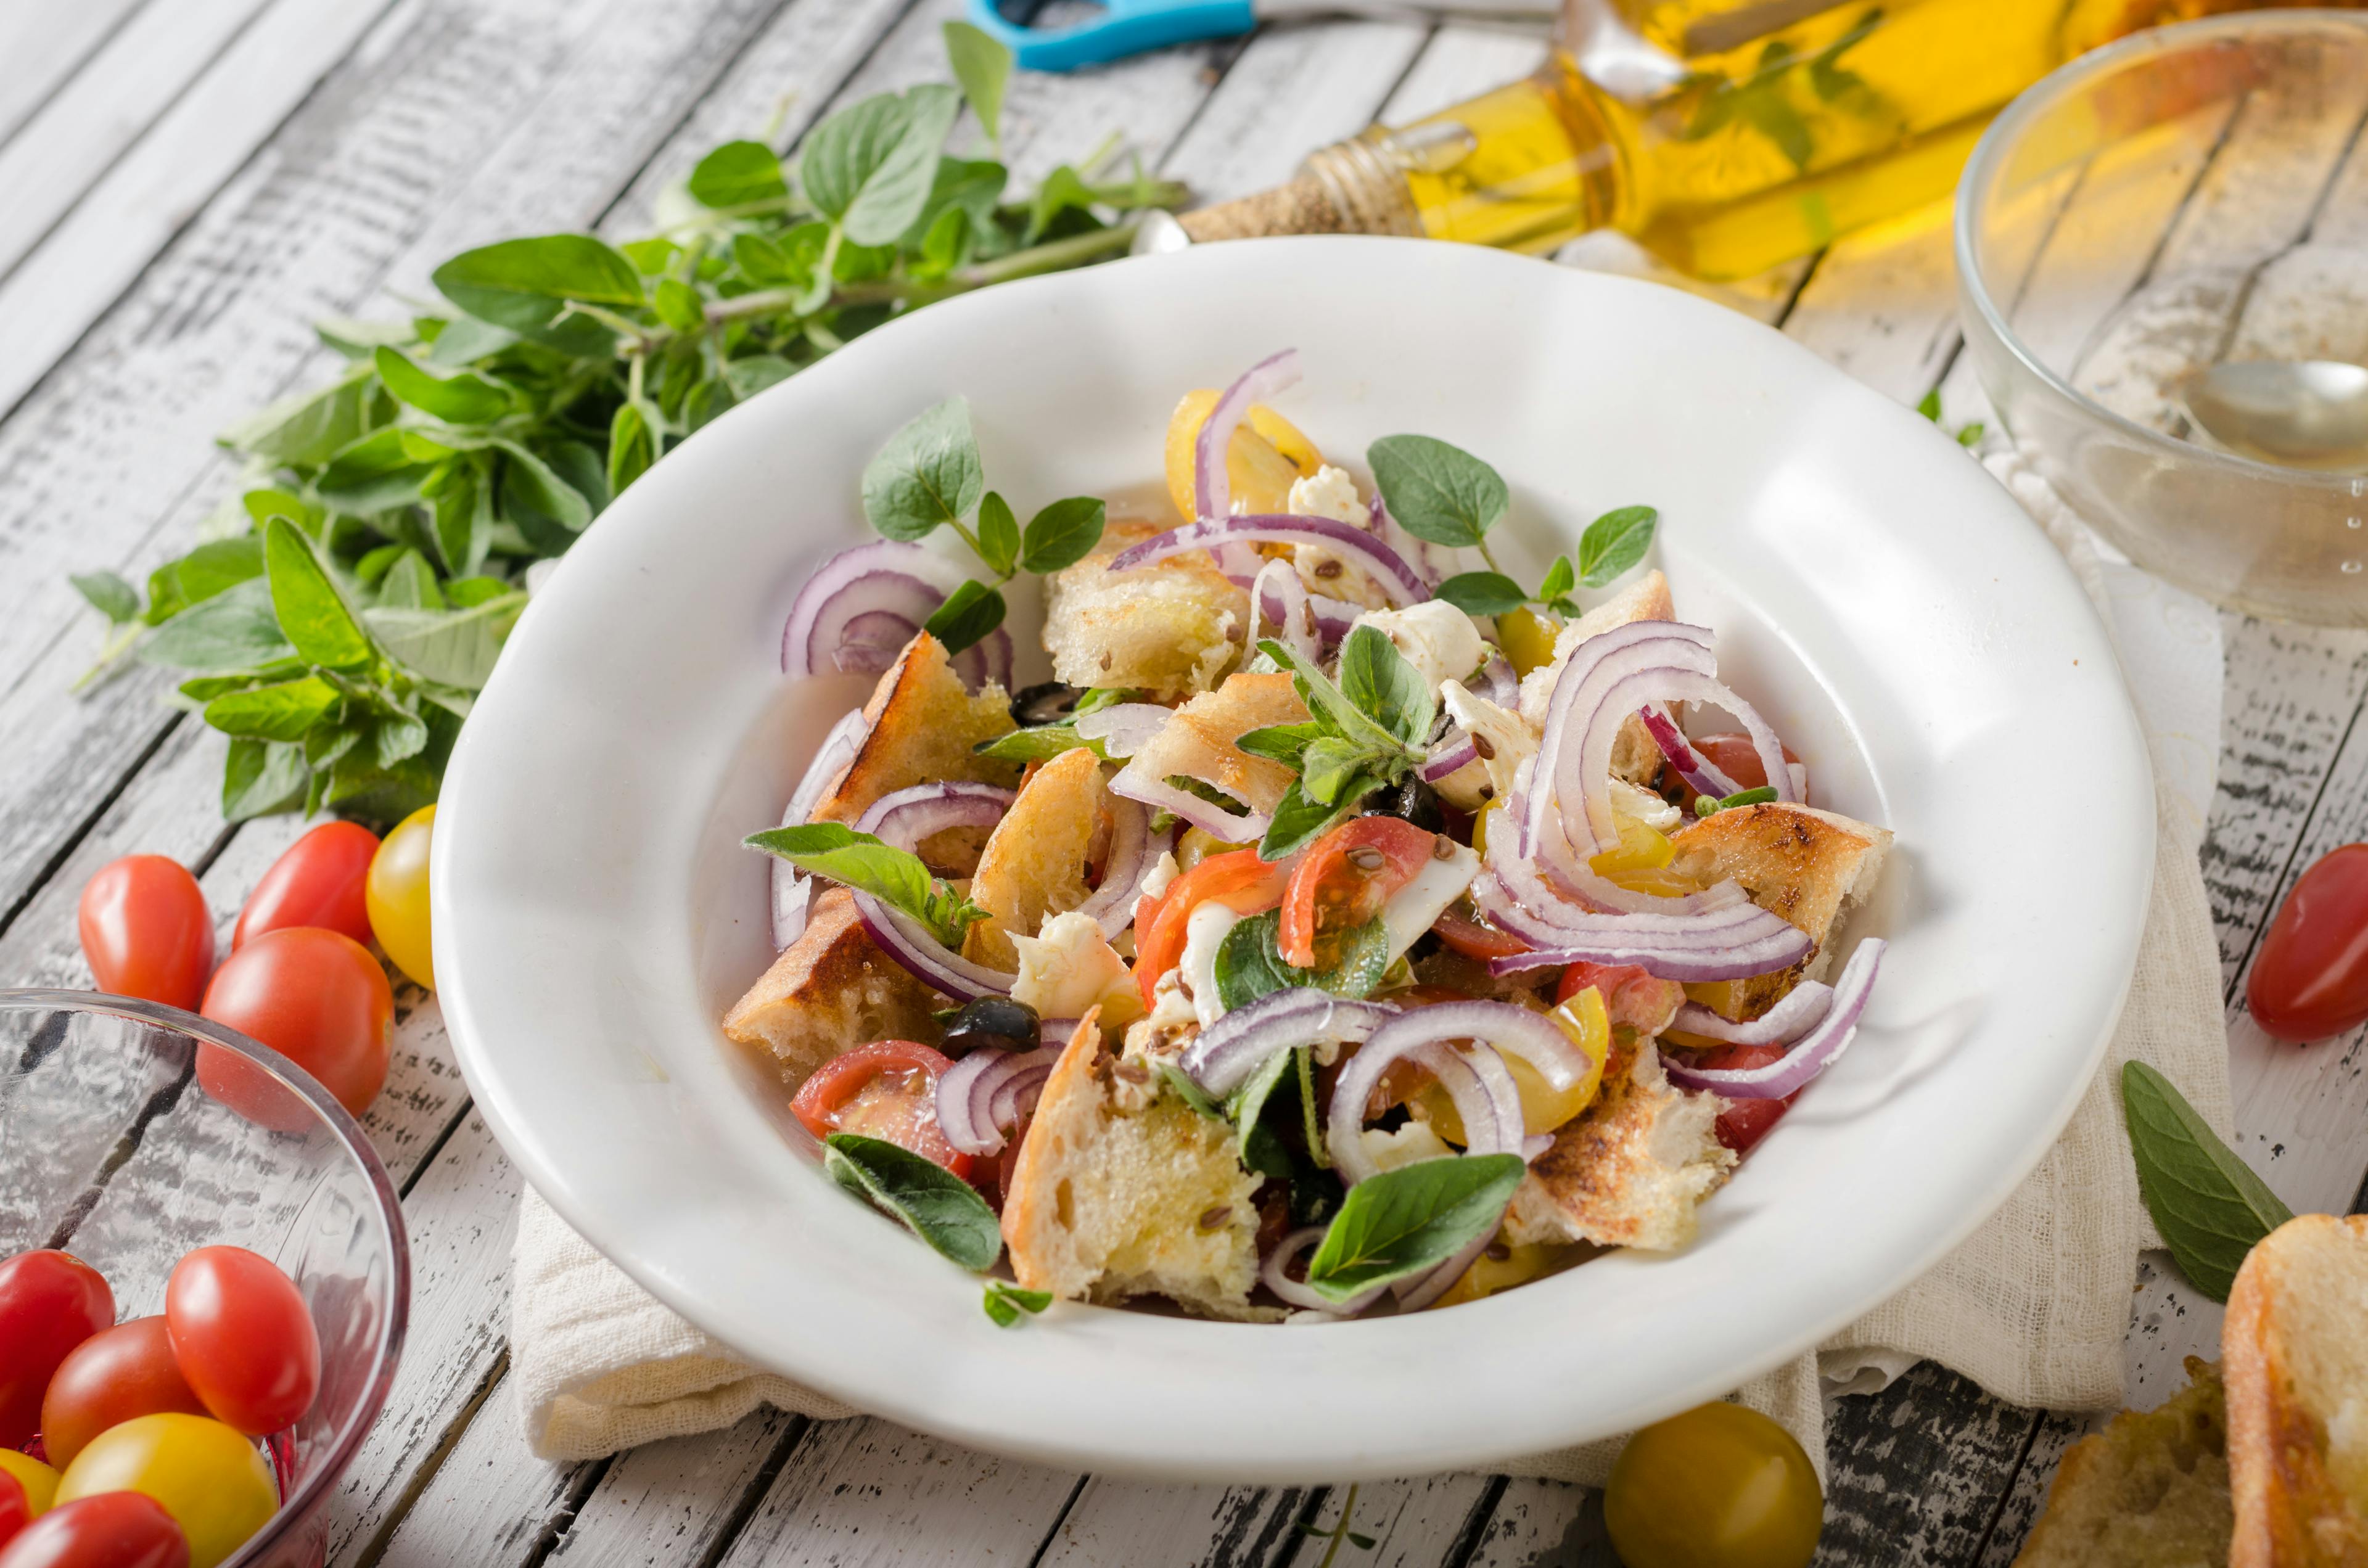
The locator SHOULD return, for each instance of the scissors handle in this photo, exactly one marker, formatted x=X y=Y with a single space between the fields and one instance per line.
x=1123 y=27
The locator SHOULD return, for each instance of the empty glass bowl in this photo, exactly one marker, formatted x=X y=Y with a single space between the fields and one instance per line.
x=2186 y=196
x=113 y=1147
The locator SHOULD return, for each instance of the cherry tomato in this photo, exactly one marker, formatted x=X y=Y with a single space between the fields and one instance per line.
x=1239 y=879
x=1475 y=941
x=111 y=1377
x=1644 y=1002
x=211 y=1478
x=1733 y=755
x=317 y=999
x=1719 y=1486
x=398 y=896
x=318 y=882
x=39 y=1481
x=1528 y=639
x=1745 y=1122
x=146 y=932
x=1342 y=879
x=887 y=1089
x=2310 y=979
x=50 y=1302
x=16 y=1508
x=1265 y=456
x=244 y=1339
x=112 y=1530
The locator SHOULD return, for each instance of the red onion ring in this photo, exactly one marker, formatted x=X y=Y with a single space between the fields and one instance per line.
x=983 y=1096
x=1701 y=775
x=1799 y=1012
x=792 y=891
x=1125 y=727
x=1485 y=1094
x=1213 y=481
x=1419 y=553
x=1812 y=1054
x=1222 y=1057
x=1715 y=941
x=1231 y=827
x=1278 y=595
x=1504 y=687
x=1133 y=850
x=1353 y=544
x=905 y=817
x=1419 y=1291
x=1450 y=755
x=860 y=609
x=1271 y=1275
x=930 y=961
x=985 y=661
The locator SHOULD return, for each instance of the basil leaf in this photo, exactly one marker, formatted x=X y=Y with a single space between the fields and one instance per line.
x=1004 y=1302
x=466 y=398
x=1326 y=700
x=893 y=876
x=998 y=535
x=108 y=594
x=525 y=284
x=1327 y=766
x=1098 y=698
x=1298 y=821
x=868 y=166
x=2207 y=1203
x=1614 y=543
x=1040 y=743
x=1250 y=963
x=234 y=630
x=1401 y=1222
x=409 y=582
x=1379 y=681
x=1481 y=593
x=1190 y=1092
x=1279 y=742
x=450 y=647
x=678 y=305
x=260 y=777
x=211 y=568
x=982 y=65
x=934 y=1204
x=735 y=174
x=1063 y=533
x=633 y=447
x=928 y=474
x=1930 y=405
x=970 y=612
x=1438 y=493
x=314 y=615
x=280 y=712
x=1262 y=1151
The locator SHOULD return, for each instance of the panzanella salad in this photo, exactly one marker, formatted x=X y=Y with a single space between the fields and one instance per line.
x=1344 y=931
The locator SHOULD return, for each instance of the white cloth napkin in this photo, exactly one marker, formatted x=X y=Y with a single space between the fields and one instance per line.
x=2034 y=1306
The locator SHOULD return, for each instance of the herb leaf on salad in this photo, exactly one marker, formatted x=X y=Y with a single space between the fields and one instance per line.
x=1367 y=733
x=1439 y=492
x=896 y=877
x=1004 y=1302
x=933 y=1203
x=1402 y=1221
x=1250 y=961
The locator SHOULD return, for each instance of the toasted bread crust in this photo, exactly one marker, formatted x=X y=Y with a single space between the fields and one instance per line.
x=2295 y=1357
x=1168 y=629
x=1631 y=1169
x=2151 y=1491
x=1034 y=865
x=924 y=725
x=1793 y=860
x=1198 y=740
x=830 y=991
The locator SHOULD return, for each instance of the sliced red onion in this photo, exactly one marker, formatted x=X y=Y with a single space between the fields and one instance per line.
x=1701 y=775
x=1135 y=849
x=1736 y=961
x=857 y=612
x=1278 y=595
x=1449 y=755
x=983 y=1096
x=1476 y=1079
x=1056 y=1033
x=1335 y=618
x=1486 y=1100
x=1125 y=727
x=1531 y=1035
x=1350 y=543
x=1419 y=553
x=794 y=892
x=1299 y=1294
x=911 y=945
x=1799 y=773
x=1231 y=828
x=987 y=660
x=1222 y=1057
x=1503 y=687
x=1787 y=1021
x=1212 y=482
x=1812 y=1054
x=1419 y=1291
x=1717 y=942
x=905 y=817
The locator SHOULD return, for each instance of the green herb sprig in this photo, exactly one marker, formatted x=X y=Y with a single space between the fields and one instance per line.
x=484 y=434
x=1366 y=731
x=1401 y=1222
x=1968 y=435
x=2208 y=1205
x=896 y=877
x=1614 y=544
x=937 y=1206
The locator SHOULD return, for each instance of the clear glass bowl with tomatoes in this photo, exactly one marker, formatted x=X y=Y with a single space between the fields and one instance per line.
x=120 y=1145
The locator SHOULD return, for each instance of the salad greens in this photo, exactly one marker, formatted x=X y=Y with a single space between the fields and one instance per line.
x=1415 y=1218
x=458 y=448
x=933 y=1203
x=1367 y=732
x=896 y=877
x=2207 y=1203
x=1250 y=963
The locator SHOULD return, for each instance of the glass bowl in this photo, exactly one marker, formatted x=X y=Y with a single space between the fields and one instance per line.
x=2189 y=195
x=114 y=1146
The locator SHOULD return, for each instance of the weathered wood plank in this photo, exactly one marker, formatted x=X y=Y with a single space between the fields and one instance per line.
x=487 y=1503
x=2027 y=1498
x=677 y=1501
x=1415 y=1523
x=46 y=46
x=1141 y=1524
x=1293 y=89
x=1917 y=1474
x=1544 y=1523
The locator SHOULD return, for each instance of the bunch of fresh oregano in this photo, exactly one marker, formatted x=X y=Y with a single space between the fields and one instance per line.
x=339 y=613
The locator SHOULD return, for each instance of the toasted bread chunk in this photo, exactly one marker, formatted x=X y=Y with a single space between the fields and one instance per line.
x=2294 y=1351
x=924 y=723
x=1804 y=864
x=1630 y=1171
x=1198 y=742
x=1108 y=1202
x=1169 y=628
x=1634 y=757
x=1035 y=863
x=2151 y=1491
x=830 y=992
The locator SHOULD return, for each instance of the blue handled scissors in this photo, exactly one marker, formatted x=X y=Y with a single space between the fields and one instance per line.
x=1131 y=26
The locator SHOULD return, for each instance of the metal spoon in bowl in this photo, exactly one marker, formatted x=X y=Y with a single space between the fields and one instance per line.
x=2300 y=414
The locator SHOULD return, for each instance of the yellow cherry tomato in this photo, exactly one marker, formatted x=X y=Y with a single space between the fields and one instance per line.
x=1528 y=639
x=1719 y=1486
x=1480 y=827
x=1197 y=845
x=1641 y=848
x=1543 y=1108
x=210 y=1477
x=40 y=1482
x=397 y=895
x=1500 y=1267
x=1264 y=455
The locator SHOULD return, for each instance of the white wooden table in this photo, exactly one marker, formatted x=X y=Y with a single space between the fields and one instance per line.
x=184 y=184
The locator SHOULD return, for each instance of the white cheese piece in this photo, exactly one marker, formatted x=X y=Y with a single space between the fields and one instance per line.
x=1413 y=1140
x=1409 y=911
x=1642 y=805
x=1204 y=932
x=1067 y=967
x=1166 y=871
x=1330 y=492
x=1510 y=740
x=1436 y=638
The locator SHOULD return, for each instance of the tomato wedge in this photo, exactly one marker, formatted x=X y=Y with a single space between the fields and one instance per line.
x=1475 y=941
x=1343 y=878
x=1635 y=997
x=1745 y=1122
x=1734 y=755
x=1237 y=878
x=887 y=1089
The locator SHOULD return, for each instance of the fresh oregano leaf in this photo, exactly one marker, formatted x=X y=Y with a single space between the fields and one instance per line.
x=893 y=876
x=1250 y=961
x=868 y=166
x=934 y=1204
x=1437 y=491
x=1298 y=821
x=283 y=711
x=1285 y=744
x=678 y=305
x=2207 y=1204
x=982 y=65
x=209 y=569
x=525 y=284
x=1063 y=533
x=1930 y=405
x=1005 y=1303
x=1039 y=742
x=1384 y=684
x=998 y=535
x=528 y=480
x=928 y=474
x=234 y=630
x=633 y=447
x=261 y=776
x=465 y=398
x=450 y=647
x=1559 y=580
x=1614 y=543
x=110 y=594
x=1262 y=1151
x=314 y=615
x=1326 y=766
x=1402 y=1221
x=737 y=174
x=1481 y=593
x=970 y=612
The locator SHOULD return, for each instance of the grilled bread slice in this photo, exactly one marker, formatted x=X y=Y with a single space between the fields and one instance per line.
x=1119 y=1194
x=830 y=992
x=924 y=725
x=1804 y=864
x=2151 y=1491
x=1634 y=757
x=1198 y=740
x=1631 y=1169
x=1169 y=628
x=2294 y=1352
x=1034 y=865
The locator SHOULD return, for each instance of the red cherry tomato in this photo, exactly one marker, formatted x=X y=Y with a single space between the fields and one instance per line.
x=50 y=1302
x=887 y=1089
x=1733 y=755
x=1745 y=1122
x=316 y=997
x=110 y=1530
x=146 y=932
x=319 y=880
x=111 y=1377
x=1475 y=941
x=16 y=1508
x=244 y=1339
x=2310 y=979
x=1237 y=878
x=1341 y=880
x=1644 y=1002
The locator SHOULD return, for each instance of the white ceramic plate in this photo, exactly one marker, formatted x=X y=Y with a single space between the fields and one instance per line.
x=1903 y=625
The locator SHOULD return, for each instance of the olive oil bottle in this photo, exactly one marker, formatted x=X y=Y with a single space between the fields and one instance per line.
x=1725 y=135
